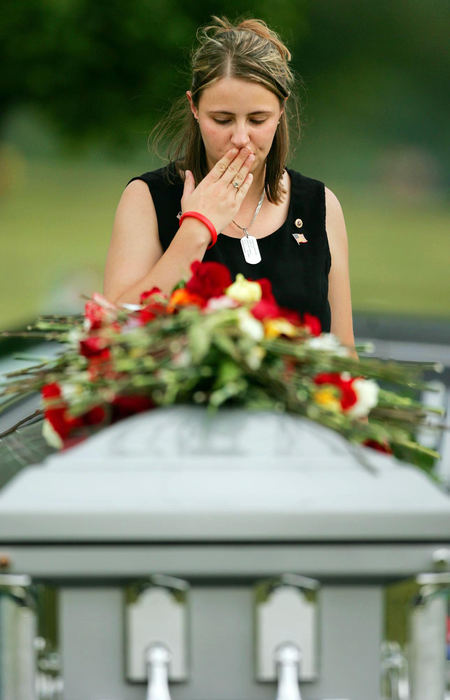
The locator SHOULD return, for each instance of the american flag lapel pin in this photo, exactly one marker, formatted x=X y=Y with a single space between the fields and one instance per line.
x=299 y=237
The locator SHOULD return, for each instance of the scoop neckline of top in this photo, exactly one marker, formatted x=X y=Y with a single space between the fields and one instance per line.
x=269 y=235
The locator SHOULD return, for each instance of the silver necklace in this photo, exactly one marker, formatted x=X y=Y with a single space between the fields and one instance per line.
x=249 y=243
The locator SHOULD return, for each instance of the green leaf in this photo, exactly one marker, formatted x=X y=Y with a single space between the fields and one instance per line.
x=228 y=371
x=199 y=341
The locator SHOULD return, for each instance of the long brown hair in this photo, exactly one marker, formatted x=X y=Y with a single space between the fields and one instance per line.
x=250 y=51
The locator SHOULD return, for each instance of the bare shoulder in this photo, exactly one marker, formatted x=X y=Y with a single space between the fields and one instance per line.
x=335 y=222
x=339 y=295
x=333 y=206
x=135 y=217
x=136 y=195
x=331 y=198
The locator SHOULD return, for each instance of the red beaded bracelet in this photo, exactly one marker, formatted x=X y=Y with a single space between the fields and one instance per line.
x=209 y=225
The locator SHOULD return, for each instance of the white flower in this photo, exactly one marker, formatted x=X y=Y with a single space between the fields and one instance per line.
x=367 y=392
x=255 y=357
x=328 y=342
x=74 y=386
x=131 y=322
x=250 y=326
x=219 y=303
x=69 y=390
x=182 y=359
x=76 y=334
x=132 y=307
x=51 y=436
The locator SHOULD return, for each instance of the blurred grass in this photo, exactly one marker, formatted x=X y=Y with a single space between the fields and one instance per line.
x=399 y=252
x=56 y=218
x=55 y=222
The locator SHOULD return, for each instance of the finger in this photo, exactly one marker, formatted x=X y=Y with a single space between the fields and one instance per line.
x=239 y=177
x=244 y=188
x=189 y=183
x=239 y=167
x=221 y=166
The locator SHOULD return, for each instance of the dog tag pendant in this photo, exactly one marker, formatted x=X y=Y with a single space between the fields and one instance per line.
x=250 y=249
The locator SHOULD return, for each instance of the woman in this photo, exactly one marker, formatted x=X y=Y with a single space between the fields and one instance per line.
x=228 y=176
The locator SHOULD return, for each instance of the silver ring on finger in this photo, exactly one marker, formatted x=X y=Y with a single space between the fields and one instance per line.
x=235 y=185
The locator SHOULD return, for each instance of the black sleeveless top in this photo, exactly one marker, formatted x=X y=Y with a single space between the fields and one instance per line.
x=298 y=271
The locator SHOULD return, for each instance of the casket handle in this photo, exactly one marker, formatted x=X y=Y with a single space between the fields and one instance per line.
x=158 y=659
x=287 y=662
x=394 y=673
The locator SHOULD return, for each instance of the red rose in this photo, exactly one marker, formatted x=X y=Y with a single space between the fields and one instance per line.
x=312 y=324
x=154 y=306
x=209 y=279
x=51 y=391
x=150 y=312
x=124 y=406
x=94 y=346
x=379 y=446
x=148 y=294
x=348 y=394
x=98 y=311
x=146 y=315
x=266 y=289
x=56 y=412
x=94 y=314
x=60 y=419
x=268 y=308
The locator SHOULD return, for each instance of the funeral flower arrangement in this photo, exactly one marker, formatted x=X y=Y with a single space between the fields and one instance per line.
x=216 y=342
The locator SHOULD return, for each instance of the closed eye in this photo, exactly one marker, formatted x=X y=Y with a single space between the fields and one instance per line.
x=227 y=121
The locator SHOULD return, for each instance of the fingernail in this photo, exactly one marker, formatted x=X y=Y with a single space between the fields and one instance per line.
x=234 y=151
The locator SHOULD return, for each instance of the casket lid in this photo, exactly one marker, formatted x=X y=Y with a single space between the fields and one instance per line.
x=181 y=474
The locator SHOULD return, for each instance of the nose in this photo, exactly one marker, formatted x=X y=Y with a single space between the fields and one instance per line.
x=240 y=136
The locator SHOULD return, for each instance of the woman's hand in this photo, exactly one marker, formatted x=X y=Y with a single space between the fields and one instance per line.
x=215 y=196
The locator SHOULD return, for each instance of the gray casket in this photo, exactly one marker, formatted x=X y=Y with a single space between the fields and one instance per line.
x=242 y=555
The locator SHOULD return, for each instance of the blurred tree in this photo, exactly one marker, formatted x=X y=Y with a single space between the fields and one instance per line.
x=379 y=69
x=94 y=68
x=102 y=71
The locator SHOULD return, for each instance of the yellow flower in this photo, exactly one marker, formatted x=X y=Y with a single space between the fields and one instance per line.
x=274 y=327
x=244 y=291
x=326 y=398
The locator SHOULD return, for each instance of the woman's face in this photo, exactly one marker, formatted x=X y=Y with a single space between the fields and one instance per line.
x=237 y=113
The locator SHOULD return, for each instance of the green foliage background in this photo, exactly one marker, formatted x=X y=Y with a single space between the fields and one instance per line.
x=83 y=83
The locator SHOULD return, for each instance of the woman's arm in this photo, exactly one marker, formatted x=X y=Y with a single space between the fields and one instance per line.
x=339 y=295
x=135 y=260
